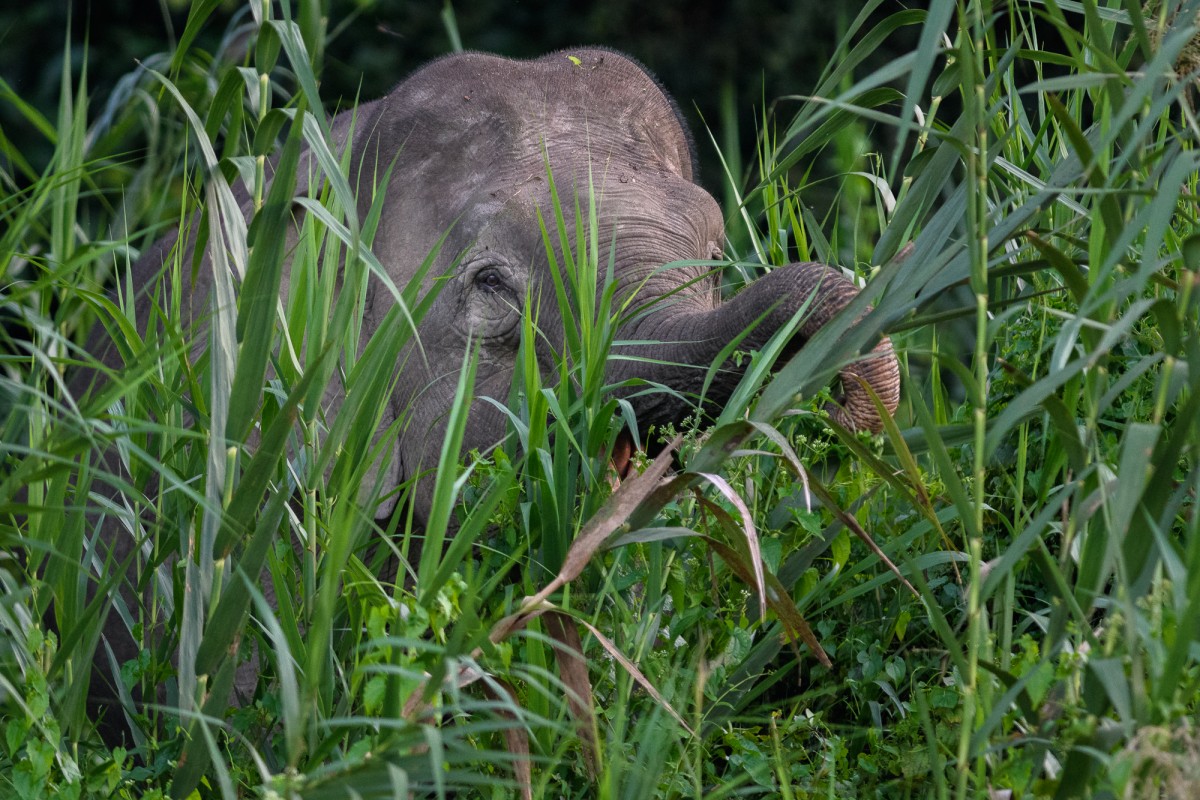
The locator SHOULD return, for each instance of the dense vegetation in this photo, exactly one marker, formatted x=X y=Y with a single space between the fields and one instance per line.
x=1003 y=589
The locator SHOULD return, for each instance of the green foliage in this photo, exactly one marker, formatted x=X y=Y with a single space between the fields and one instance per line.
x=1017 y=194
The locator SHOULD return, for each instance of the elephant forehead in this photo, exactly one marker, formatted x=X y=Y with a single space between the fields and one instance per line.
x=664 y=214
x=470 y=135
x=485 y=110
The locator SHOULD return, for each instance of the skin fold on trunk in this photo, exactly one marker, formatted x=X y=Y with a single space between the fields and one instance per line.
x=676 y=349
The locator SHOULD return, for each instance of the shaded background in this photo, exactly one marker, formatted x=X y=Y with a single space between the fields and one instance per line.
x=720 y=58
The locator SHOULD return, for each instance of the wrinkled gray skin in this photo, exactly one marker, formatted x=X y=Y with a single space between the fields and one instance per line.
x=470 y=131
x=469 y=134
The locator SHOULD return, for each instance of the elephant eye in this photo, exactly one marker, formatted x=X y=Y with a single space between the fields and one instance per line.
x=489 y=280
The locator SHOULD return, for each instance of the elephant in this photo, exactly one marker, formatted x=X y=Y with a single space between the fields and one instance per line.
x=471 y=140
x=468 y=145
x=475 y=133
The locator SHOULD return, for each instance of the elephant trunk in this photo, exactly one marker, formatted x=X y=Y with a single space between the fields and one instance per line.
x=697 y=338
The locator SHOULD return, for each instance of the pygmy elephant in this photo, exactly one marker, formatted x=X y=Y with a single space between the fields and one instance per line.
x=465 y=152
x=469 y=144
x=475 y=139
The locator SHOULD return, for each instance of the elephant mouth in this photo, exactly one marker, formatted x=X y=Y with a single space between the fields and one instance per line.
x=621 y=459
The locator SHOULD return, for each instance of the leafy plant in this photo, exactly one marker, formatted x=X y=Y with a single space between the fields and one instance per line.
x=994 y=596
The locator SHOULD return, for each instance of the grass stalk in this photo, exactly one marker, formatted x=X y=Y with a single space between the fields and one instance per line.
x=1015 y=194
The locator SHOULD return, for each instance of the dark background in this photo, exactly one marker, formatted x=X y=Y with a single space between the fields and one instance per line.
x=741 y=52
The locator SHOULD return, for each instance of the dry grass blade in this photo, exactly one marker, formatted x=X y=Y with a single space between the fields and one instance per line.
x=515 y=737
x=750 y=534
x=572 y=669
x=599 y=530
x=789 y=454
x=850 y=522
x=607 y=521
x=508 y=625
x=513 y=623
x=777 y=597
x=637 y=675
x=796 y=628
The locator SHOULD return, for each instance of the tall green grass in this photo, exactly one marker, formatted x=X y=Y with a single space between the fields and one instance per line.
x=1025 y=229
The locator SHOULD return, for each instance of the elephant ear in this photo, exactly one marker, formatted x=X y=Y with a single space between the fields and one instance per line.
x=350 y=128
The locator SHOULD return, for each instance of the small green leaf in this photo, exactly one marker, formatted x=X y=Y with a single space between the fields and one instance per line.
x=901 y=626
x=840 y=548
x=1191 y=253
x=374 y=693
x=14 y=734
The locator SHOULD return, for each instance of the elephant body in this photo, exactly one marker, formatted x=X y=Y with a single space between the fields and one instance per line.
x=469 y=145
x=464 y=151
x=473 y=141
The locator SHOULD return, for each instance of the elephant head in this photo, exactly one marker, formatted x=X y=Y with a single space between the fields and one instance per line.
x=469 y=153
x=466 y=156
x=473 y=141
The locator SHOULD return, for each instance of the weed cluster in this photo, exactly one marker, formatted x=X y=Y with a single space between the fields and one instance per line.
x=995 y=598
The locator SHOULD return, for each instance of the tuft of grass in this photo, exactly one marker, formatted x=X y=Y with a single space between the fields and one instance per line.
x=1003 y=586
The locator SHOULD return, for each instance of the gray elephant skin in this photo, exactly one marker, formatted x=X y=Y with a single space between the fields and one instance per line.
x=468 y=139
